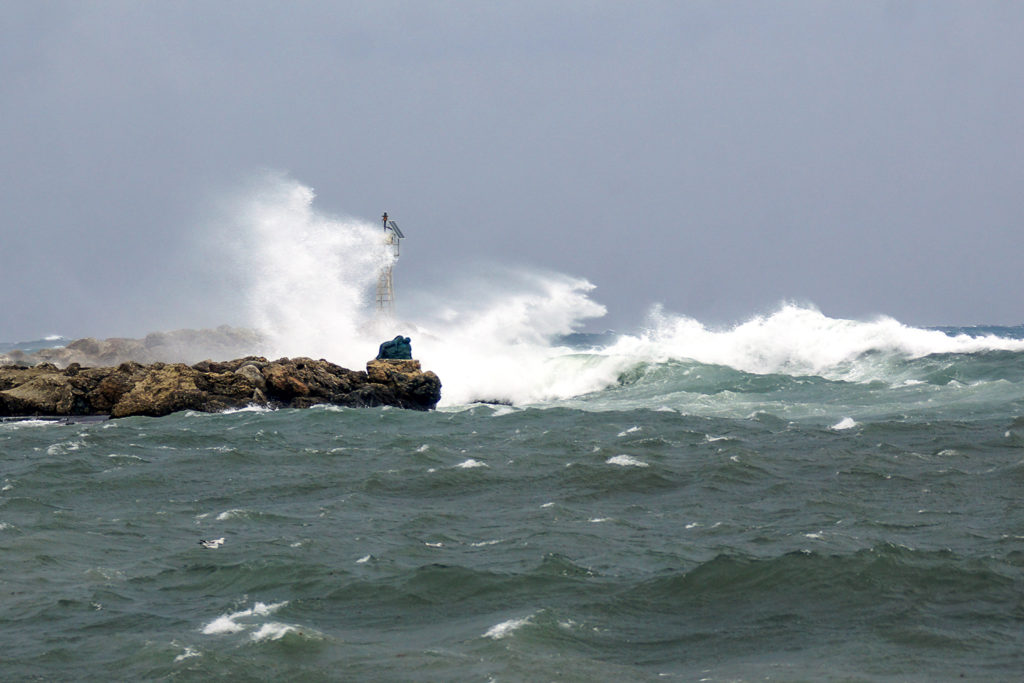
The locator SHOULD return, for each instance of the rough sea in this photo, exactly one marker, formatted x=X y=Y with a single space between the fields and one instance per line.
x=841 y=501
x=791 y=497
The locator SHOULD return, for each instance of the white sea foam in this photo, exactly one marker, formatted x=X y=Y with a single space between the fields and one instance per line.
x=626 y=461
x=797 y=340
x=845 y=423
x=222 y=624
x=189 y=653
x=19 y=424
x=231 y=514
x=229 y=623
x=471 y=463
x=506 y=628
x=64 y=447
x=272 y=631
x=629 y=431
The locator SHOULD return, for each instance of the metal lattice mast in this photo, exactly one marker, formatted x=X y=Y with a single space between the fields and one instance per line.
x=385 y=283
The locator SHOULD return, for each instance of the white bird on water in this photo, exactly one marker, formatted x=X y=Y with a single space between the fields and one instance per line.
x=213 y=544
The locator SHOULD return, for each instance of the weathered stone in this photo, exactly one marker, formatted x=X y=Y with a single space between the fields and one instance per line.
x=407 y=380
x=161 y=388
x=253 y=374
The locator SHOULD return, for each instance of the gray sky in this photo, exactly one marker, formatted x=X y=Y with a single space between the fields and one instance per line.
x=717 y=157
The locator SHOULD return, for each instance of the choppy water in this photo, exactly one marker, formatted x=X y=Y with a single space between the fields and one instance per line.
x=692 y=520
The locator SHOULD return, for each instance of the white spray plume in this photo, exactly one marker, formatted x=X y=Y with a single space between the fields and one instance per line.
x=308 y=277
x=491 y=338
x=309 y=282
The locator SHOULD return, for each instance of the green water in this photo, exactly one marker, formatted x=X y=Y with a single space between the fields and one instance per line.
x=575 y=542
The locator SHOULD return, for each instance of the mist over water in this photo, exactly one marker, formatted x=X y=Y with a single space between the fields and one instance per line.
x=309 y=284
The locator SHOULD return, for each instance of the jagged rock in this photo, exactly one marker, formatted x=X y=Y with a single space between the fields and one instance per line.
x=160 y=388
x=407 y=379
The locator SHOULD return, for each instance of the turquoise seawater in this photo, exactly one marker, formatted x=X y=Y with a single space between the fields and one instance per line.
x=690 y=521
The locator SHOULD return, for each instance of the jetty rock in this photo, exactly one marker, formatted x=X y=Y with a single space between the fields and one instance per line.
x=159 y=389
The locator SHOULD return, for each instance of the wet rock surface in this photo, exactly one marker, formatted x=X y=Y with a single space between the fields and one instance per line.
x=158 y=389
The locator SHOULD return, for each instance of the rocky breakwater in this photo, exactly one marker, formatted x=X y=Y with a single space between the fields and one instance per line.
x=162 y=388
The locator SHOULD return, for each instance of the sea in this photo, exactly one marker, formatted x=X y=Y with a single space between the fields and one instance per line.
x=790 y=496
x=793 y=498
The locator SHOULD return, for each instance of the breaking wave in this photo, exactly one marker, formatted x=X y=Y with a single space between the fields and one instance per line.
x=501 y=336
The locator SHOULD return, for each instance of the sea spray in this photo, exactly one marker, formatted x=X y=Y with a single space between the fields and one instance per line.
x=307 y=277
x=492 y=339
x=308 y=280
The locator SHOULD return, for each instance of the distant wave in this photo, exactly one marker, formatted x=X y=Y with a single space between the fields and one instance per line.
x=51 y=341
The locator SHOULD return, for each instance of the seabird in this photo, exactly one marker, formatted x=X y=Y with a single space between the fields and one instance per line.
x=212 y=545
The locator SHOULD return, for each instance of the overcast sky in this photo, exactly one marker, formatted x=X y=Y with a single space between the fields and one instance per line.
x=717 y=157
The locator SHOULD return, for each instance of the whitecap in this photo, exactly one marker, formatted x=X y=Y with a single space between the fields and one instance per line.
x=364 y=559
x=61 y=448
x=506 y=628
x=632 y=429
x=845 y=423
x=125 y=456
x=17 y=424
x=502 y=410
x=228 y=623
x=223 y=624
x=626 y=461
x=188 y=654
x=272 y=631
x=471 y=463
x=231 y=514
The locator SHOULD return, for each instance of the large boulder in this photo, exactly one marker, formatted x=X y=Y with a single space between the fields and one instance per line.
x=411 y=386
